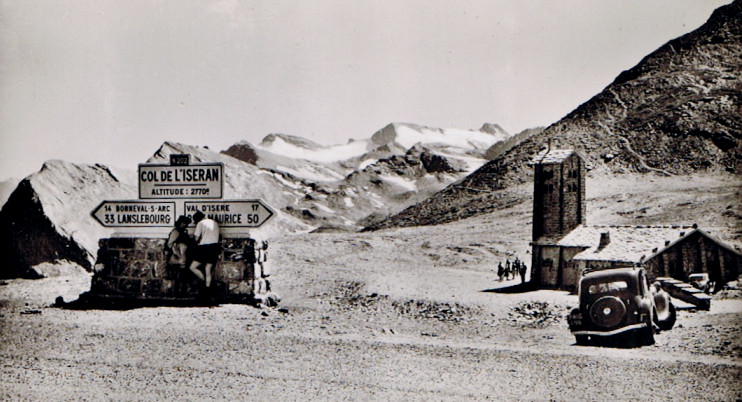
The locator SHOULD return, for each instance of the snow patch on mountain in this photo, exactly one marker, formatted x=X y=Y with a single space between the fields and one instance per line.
x=311 y=173
x=407 y=135
x=293 y=163
x=324 y=154
x=365 y=163
x=399 y=181
x=395 y=137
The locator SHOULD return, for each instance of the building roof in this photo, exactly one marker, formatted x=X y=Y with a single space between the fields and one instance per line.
x=551 y=156
x=627 y=243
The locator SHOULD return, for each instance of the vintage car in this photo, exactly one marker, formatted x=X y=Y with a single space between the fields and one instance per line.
x=619 y=305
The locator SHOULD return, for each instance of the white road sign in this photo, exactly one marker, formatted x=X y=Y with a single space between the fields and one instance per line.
x=200 y=180
x=135 y=214
x=232 y=213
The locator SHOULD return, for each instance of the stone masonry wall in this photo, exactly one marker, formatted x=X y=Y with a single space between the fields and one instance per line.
x=135 y=269
x=571 y=210
x=559 y=197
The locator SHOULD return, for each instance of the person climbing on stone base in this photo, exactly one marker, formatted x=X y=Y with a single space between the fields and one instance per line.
x=208 y=249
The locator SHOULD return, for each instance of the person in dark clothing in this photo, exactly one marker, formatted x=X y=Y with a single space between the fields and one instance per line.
x=176 y=247
x=251 y=259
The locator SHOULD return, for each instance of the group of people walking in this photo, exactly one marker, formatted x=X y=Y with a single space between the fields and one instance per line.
x=510 y=271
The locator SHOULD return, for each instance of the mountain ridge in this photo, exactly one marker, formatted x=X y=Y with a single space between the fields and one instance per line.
x=676 y=112
x=48 y=216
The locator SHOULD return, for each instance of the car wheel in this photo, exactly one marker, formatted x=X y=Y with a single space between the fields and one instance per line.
x=670 y=321
x=582 y=340
x=608 y=312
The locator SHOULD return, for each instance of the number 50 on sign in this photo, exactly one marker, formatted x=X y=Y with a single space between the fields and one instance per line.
x=232 y=213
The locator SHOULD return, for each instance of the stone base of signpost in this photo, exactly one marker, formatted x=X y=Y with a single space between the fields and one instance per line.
x=133 y=270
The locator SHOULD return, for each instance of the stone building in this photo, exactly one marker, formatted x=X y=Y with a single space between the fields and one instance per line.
x=558 y=193
x=564 y=246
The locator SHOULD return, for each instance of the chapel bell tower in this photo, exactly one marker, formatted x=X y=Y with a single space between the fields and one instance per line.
x=558 y=192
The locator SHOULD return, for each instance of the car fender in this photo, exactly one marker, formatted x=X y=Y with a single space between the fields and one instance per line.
x=662 y=303
x=644 y=306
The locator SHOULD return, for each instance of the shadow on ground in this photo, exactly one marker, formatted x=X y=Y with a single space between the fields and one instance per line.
x=519 y=288
x=91 y=302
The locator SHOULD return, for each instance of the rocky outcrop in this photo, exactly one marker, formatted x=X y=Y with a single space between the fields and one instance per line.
x=47 y=218
x=244 y=152
x=28 y=237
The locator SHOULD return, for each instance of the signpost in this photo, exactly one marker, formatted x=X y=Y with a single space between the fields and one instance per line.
x=135 y=214
x=232 y=213
x=143 y=225
x=201 y=180
x=180 y=185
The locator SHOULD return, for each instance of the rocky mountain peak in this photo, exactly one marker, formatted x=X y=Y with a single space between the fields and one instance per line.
x=493 y=129
x=676 y=112
x=300 y=142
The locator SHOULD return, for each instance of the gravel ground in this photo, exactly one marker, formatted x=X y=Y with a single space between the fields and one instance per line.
x=407 y=314
x=341 y=338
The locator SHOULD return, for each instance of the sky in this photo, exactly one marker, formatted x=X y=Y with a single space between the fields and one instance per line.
x=108 y=81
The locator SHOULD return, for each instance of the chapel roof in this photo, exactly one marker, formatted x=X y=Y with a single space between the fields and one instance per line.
x=627 y=243
x=551 y=156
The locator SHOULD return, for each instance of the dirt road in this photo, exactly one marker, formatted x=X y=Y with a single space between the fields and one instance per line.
x=350 y=337
x=406 y=314
x=239 y=352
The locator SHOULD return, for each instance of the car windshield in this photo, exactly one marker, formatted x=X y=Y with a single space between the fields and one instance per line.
x=607 y=287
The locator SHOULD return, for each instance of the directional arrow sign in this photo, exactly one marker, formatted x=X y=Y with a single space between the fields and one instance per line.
x=135 y=214
x=232 y=213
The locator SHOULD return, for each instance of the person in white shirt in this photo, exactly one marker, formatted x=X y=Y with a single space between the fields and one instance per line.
x=208 y=249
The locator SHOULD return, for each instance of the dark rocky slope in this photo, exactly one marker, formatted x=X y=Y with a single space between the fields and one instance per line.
x=39 y=224
x=28 y=237
x=678 y=111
